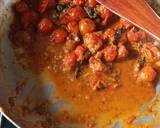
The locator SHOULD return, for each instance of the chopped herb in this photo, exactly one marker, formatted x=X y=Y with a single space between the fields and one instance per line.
x=97 y=20
x=60 y=8
x=99 y=33
x=78 y=69
x=80 y=64
x=119 y=33
x=67 y=6
x=141 y=61
x=87 y=55
x=57 y=15
x=92 y=13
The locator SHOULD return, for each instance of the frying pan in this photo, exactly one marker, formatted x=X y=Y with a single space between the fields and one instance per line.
x=21 y=91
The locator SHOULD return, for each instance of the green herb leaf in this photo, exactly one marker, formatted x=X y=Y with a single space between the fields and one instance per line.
x=92 y=13
x=119 y=33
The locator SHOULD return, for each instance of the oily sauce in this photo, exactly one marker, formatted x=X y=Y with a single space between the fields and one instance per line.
x=52 y=38
x=97 y=108
x=104 y=105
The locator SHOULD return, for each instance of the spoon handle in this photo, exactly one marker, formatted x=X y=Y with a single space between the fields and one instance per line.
x=137 y=12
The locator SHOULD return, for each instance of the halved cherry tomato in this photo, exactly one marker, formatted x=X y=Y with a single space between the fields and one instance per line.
x=45 y=25
x=110 y=53
x=59 y=36
x=93 y=42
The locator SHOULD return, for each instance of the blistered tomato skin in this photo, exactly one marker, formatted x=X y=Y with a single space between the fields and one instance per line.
x=21 y=7
x=86 y=41
x=96 y=65
x=109 y=33
x=150 y=52
x=86 y=26
x=58 y=36
x=93 y=42
x=45 y=25
x=110 y=53
x=104 y=12
x=79 y=51
x=132 y=36
x=72 y=14
x=69 y=62
x=73 y=27
x=147 y=74
x=122 y=52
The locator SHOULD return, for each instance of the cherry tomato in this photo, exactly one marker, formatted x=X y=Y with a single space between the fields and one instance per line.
x=29 y=18
x=123 y=38
x=86 y=26
x=59 y=36
x=73 y=27
x=93 y=42
x=78 y=2
x=79 y=51
x=45 y=25
x=71 y=45
x=69 y=62
x=92 y=3
x=72 y=14
x=151 y=52
x=21 y=7
x=43 y=5
x=96 y=65
x=110 y=53
x=132 y=36
x=147 y=74
x=122 y=52
x=141 y=35
x=104 y=12
x=109 y=33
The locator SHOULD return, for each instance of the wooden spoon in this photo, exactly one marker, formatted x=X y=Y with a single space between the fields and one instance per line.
x=137 y=12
